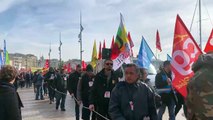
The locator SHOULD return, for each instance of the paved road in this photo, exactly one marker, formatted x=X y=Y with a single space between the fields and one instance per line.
x=42 y=110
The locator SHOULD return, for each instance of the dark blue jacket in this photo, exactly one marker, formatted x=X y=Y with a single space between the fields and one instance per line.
x=141 y=97
x=39 y=80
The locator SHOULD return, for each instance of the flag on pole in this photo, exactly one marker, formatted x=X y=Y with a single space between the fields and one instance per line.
x=130 y=43
x=94 y=56
x=100 y=52
x=7 y=58
x=145 y=55
x=104 y=44
x=130 y=40
x=169 y=58
x=84 y=65
x=1 y=61
x=69 y=69
x=112 y=43
x=209 y=44
x=121 y=49
x=158 y=44
x=50 y=50
x=46 y=67
x=4 y=53
x=65 y=67
x=185 y=53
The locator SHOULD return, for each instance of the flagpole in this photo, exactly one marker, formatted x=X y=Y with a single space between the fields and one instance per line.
x=49 y=52
x=80 y=39
x=60 y=47
x=200 y=29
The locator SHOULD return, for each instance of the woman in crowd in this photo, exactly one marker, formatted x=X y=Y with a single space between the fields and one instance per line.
x=9 y=99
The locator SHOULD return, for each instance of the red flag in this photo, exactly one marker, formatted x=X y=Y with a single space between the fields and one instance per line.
x=46 y=65
x=130 y=40
x=100 y=53
x=185 y=53
x=65 y=67
x=104 y=44
x=130 y=43
x=112 y=43
x=69 y=68
x=209 y=44
x=84 y=65
x=158 y=45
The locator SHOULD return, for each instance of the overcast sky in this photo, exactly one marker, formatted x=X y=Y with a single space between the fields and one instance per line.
x=30 y=25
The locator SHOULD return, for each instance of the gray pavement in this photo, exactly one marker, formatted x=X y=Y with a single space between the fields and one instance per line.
x=42 y=110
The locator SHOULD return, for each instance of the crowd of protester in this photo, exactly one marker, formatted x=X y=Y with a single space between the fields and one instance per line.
x=104 y=96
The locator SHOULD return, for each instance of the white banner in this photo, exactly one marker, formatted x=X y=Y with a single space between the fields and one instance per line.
x=123 y=57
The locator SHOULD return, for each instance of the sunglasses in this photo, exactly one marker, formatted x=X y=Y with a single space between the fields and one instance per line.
x=109 y=64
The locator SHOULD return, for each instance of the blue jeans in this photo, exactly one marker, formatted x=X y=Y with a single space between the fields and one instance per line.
x=60 y=100
x=39 y=92
x=171 y=108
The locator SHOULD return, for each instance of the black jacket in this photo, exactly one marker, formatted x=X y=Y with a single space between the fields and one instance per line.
x=101 y=86
x=61 y=82
x=84 y=87
x=73 y=82
x=139 y=94
x=10 y=102
x=50 y=77
x=161 y=83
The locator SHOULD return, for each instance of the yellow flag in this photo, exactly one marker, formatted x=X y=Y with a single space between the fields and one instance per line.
x=94 y=56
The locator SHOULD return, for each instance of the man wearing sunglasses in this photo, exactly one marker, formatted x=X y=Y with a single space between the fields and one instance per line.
x=104 y=82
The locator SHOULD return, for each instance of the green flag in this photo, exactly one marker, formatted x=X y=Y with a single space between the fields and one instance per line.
x=7 y=58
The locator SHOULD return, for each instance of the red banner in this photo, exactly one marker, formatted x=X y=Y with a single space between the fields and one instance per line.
x=185 y=53
x=209 y=44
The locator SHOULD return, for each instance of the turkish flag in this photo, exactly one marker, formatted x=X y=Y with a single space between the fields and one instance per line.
x=209 y=44
x=158 y=45
x=185 y=53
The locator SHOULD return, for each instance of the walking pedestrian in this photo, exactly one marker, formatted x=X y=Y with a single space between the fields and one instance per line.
x=163 y=84
x=39 y=86
x=61 y=89
x=50 y=77
x=132 y=99
x=104 y=82
x=72 y=87
x=83 y=91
